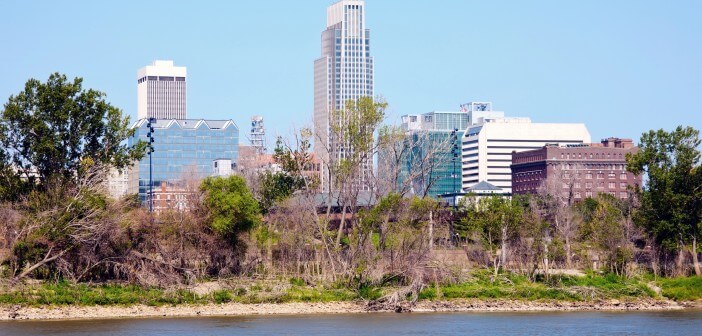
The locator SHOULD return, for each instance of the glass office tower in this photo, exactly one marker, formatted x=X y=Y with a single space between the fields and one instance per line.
x=432 y=159
x=343 y=72
x=182 y=149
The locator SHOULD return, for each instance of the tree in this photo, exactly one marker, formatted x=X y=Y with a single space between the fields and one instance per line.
x=495 y=220
x=671 y=200
x=49 y=131
x=231 y=206
x=350 y=153
x=603 y=225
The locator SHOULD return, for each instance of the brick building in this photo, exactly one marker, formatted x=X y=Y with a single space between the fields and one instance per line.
x=577 y=171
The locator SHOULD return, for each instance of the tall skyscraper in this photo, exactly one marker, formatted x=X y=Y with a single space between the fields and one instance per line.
x=343 y=72
x=161 y=91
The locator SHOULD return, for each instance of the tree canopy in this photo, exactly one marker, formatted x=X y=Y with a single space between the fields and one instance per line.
x=231 y=206
x=52 y=131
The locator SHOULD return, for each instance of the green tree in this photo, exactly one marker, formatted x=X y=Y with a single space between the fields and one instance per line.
x=50 y=131
x=603 y=226
x=495 y=220
x=671 y=200
x=231 y=207
x=353 y=129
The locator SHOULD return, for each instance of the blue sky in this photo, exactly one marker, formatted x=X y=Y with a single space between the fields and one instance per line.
x=620 y=67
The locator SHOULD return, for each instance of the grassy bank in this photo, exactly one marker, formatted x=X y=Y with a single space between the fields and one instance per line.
x=562 y=288
x=480 y=285
x=682 y=289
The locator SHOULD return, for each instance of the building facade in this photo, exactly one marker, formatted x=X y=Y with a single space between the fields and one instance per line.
x=183 y=149
x=343 y=72
x=575 y=171
x=161 y=91
x=430 y=163
x=487 y=146
x=117 y=182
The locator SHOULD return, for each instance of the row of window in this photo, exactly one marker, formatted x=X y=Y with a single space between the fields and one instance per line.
x=595 y=156
x=161 y=79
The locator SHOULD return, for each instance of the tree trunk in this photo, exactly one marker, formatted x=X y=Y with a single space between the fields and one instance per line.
x=44 y=261
x=681 y=260
x=503 y=247
x=695 y=260
x=546 y=267
x=342 y=223
x=569 y=259
x=431 y=231
x=383 y=232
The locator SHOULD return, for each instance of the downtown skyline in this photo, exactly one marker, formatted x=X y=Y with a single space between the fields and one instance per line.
x=582 y=63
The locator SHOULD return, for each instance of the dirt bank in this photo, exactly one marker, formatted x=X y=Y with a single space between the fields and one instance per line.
x=238 y=309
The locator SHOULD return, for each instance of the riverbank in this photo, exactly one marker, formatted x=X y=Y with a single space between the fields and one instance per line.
x=9 y=312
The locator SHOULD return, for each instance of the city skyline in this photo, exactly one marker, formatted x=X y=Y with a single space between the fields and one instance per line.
x=430 y=58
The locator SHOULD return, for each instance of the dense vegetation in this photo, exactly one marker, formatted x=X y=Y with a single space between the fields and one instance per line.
x=373 y=237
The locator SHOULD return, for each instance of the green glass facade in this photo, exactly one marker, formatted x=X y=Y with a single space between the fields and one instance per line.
x=429 y=159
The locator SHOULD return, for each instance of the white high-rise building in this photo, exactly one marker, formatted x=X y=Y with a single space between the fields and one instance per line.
x=487 y=146
x=161 y=91
x=343 y=72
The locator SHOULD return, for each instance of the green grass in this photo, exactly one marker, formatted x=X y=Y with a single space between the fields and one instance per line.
x=63 y=293
x=480 y=285
x=562 y=288
x=682 y=289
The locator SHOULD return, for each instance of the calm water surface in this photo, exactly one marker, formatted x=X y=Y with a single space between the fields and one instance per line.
x=578 y=323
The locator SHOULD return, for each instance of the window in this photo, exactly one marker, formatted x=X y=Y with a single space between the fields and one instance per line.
x=588 y=176
x=611 y=176
x=588 y=185
x=588 y=194
x=612 y=185
x=577 y=184
x=600 y=176
x=622 y=195
x=622 y=176
x=622 y=185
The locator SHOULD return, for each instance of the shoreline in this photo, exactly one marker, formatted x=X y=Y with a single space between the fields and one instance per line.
x=14 y=313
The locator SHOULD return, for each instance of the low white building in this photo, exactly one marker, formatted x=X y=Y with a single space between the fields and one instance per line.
x=487 y=146
x=118 y=183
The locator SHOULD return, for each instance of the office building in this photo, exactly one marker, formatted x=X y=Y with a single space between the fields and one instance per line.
x=184 y=149
x=161 y=91
x=575 y=171
x=117 y=182
x=430 y=165
x=343 y=72
x=487 y=146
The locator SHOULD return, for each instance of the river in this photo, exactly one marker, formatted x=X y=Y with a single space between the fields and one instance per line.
x=688 y=322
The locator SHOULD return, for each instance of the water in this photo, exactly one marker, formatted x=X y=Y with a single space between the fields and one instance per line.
x=571 y=323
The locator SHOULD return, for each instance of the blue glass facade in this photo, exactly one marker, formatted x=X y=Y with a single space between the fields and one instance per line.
x=429 y=159
x=184 y=146
x=430 y=153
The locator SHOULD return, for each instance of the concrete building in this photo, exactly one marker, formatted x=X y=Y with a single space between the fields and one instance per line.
x=576 y=171
x=487 y=146
x=343 y=72
x=184 y=149
x=161 y=91
x=117 y=183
